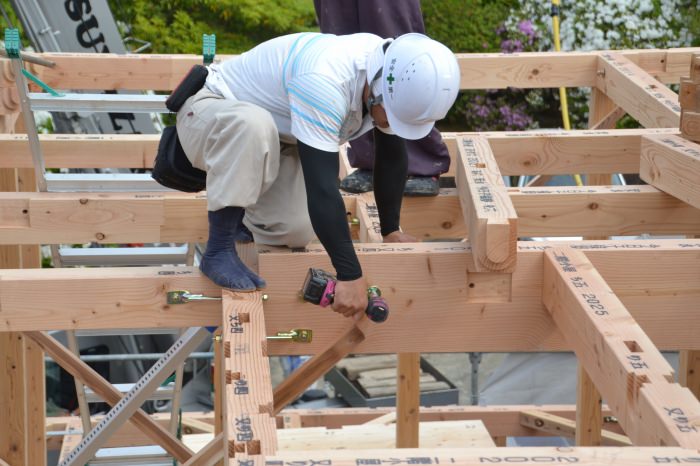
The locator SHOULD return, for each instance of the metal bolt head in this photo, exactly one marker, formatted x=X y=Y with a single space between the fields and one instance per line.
x=265 y=297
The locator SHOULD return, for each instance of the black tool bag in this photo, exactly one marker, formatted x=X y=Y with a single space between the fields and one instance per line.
x=172 y=168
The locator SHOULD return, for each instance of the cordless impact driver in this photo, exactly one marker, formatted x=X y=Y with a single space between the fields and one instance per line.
x=319 y=288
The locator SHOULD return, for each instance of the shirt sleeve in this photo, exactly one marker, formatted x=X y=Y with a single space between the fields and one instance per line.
x=318 y=109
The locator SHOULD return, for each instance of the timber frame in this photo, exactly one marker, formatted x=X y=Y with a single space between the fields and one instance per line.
x=615 y=303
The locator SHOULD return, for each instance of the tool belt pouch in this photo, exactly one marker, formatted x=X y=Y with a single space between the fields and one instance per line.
x=189 y=86
x=173 y=169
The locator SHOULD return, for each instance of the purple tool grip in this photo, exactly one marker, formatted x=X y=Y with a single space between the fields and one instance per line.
x=327 y=298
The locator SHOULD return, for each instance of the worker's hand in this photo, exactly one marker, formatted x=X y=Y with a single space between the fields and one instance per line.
x=350 y=297
x=399 y=236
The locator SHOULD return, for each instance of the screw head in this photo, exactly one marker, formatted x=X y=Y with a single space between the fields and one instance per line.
x=265 y=297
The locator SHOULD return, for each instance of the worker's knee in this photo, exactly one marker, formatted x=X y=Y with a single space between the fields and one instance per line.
x=254 y=124
x=299 y=234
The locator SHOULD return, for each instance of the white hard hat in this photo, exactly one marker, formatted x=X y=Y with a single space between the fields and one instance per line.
x=419 y=83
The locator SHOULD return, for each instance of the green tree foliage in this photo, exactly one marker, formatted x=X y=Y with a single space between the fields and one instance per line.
x=466 y=26
x=176 y=26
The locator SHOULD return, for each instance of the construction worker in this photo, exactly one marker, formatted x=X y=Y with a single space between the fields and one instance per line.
x=428 y=157
x=267 y=126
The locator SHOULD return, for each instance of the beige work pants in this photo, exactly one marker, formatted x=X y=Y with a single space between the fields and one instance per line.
x=237 y=144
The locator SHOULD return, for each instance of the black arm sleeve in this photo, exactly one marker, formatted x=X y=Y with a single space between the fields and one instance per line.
x=390 y=169
x=327 y=210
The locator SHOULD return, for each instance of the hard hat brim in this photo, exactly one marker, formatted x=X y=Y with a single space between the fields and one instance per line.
x=405 y=130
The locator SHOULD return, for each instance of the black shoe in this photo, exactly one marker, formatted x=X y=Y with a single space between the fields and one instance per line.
x=359 y=181
x=422 y=186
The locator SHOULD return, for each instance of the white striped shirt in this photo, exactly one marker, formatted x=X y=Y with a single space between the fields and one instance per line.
x=311 y=83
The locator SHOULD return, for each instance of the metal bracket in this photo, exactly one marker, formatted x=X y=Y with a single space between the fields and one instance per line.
x=183 y=296
x=298 y=335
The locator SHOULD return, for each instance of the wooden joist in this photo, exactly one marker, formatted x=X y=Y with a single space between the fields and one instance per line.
x=487 y=208
x=649 y=101
x=628 y=370
x=672 y=164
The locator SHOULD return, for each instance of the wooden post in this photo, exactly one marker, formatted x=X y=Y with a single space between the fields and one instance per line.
x=589 y=414
x=600 y=109
x=689 y=371
x=249 y=426
x=408 y=401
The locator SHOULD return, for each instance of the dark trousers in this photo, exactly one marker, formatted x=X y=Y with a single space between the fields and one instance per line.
x=385 y=18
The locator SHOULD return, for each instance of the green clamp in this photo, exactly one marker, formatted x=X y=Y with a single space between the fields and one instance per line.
x=208 y=48
x=12 y=44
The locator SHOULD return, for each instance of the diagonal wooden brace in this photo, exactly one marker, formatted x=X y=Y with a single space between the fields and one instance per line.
x=111 y=395
x=319 y=364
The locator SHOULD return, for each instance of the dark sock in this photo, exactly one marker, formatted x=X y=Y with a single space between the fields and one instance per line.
x=220 y=262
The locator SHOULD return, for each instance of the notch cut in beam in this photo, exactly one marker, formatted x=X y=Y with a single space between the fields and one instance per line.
x=649 y=101
x=628 y=370
x=486 y=206
x=672 y=164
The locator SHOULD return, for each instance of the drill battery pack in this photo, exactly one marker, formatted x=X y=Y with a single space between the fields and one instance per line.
x=318 y=287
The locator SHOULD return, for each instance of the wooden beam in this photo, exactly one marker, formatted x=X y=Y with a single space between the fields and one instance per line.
x=672 y=164
x=589 y=413
x=518 y=153
x=108 y=393
x=487 y=209
x=500 y=420
x=658 y=280
x=473 y=456
x=479 y=71
x=689 y=95
x=562 y=427
x=408 y=400
x=649 y=101
x=626 y=367
x=181 y=217
x=249 y=428
x=690 y=125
